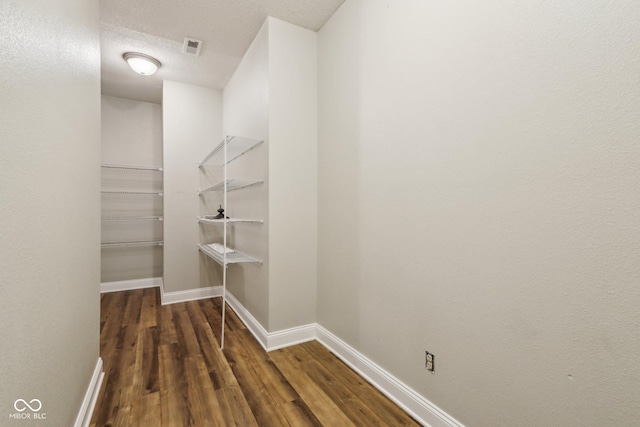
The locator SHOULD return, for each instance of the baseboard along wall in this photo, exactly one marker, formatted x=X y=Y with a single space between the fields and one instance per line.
x=190 y=295
x=128 y=285
x=420 y=408
x=90 y=397
x=271 y=340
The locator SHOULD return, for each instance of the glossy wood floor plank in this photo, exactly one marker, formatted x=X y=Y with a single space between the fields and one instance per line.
x=174 y=408
x=325 y=409
x=148 y=315
x=146 y=410
x=164 y=368
x=358 y=392
x=234 y=406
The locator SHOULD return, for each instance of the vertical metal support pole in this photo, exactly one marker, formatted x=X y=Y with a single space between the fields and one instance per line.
x=224 y=254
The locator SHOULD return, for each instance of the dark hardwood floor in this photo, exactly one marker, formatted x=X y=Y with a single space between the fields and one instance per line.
x=164 y=367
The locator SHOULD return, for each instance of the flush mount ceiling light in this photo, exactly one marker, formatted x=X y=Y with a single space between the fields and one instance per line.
x=141 y=63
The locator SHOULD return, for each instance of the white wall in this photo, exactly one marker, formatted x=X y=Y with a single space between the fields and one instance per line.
x=246 y=114
x=131 y=135
x=50 y=210
x=293 y=174
x=131 y=132
x=192 y=127
x=273 y=96
x=478 y=198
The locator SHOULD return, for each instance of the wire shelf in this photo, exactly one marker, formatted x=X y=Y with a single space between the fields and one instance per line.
x=232 y=184
x=232 y=258
x=236 y=147
x=133 y=218
x=206 y=220
x=131 y=167
x=131 y=244
x=148 y=193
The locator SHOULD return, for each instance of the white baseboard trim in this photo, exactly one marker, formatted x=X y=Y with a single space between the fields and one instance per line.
x=292 y=336
x=424 y=411
x=271 y=340
x=250 y=322
x=190 y=295
x=128 y=285
x=90 y=397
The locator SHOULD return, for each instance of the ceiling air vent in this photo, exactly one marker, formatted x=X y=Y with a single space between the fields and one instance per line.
x=192 y=46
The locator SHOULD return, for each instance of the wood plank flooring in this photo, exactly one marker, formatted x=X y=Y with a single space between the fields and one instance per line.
x=164 y=367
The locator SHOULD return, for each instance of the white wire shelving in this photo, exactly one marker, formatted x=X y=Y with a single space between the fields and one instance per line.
x=119 y=218
x=132 y=244
x=131 y=167
x=132 y=218
x=210 y=220
x=236 y=147
x=234 y=257
x=227 y=151
x=232 y=185
x=134 y=192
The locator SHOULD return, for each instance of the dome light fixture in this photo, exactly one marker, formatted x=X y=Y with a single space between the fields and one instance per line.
x=142 y=64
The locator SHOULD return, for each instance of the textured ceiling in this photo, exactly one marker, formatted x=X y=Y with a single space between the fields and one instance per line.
x=158 y=28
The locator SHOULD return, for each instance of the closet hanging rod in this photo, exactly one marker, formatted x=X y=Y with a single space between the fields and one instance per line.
x=131 y=167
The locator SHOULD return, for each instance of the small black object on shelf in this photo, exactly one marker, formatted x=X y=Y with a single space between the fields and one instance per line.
x=220 y=213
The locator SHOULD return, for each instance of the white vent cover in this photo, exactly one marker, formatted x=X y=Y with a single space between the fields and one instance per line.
x=192 y=46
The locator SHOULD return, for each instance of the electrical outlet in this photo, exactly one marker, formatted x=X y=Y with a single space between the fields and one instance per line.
x=428 y=361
